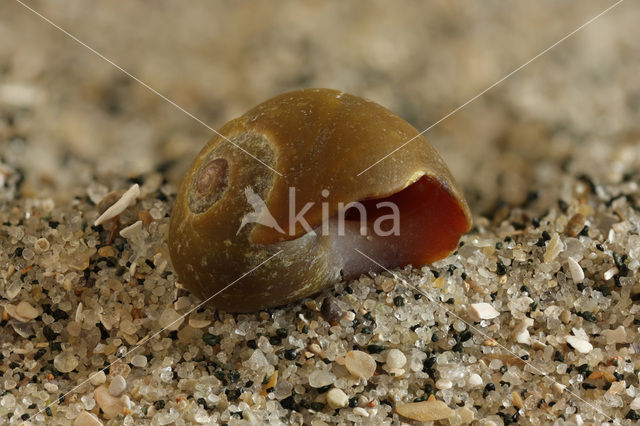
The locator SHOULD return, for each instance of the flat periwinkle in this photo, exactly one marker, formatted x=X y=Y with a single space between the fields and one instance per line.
x=304 y=190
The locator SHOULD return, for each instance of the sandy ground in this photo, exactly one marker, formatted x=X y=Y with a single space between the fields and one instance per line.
x=554 y=141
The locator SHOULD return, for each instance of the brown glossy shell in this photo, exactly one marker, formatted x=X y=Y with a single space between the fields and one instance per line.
x=318 y=139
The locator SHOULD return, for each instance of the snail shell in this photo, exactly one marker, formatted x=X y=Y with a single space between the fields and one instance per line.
x=319 y=140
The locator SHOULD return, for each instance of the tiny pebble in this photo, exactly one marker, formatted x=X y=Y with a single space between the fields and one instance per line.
x=474 y=380
x=271 y=383
x=359 y=411
x=517 y=400
x=554 y=247
x=348 y=316
x=396 y=359
x=577 y=274
x=557 y=387
x=579 y=344
x=117 y=386
x=13 y=289
x=26 y=311
x=575 y=225
x=65 y=362
x=466 y=415
x=480 y=311
x=145 y=217
x=360 y=364
x=98 y=378
x=635 y=404
x=443 y=384
x=19 y=95
x=182 y=303
x=106 y=251
x=139 y=361
x=74 y=329
x=425 y=411
x=170 y=319
x=617 y=387
x=617 y=335
x=257 y=361
x=111 y=406
x=330 y=310
x=387 y=284
x=196 y=321
x=336 y=398
x=523 y=337
x=86 y=418
x=119 y=368
x=50 y=387
x=321 y=378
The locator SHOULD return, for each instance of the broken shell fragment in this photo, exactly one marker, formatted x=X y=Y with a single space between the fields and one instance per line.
x=425 y=411
x=482 y=311
x=127 y=199
x=284 y=235
x=22 y=312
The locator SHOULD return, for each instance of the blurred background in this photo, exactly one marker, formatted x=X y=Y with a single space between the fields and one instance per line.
x=68 y=118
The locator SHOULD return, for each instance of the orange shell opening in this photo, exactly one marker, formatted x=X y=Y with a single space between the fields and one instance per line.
x=431 y=221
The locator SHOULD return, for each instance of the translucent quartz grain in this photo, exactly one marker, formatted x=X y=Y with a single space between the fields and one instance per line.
x=13 y=289
x=65 y=362
x=474 y=380
x=117 y=386
x=321 y=378
x=554 y=247
x=395 y=358
x=98 y=378
x=139 y=361
x=51 y=387
x=170 y=319
x=88 y=402
x=10 y=384
x=444 y=384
